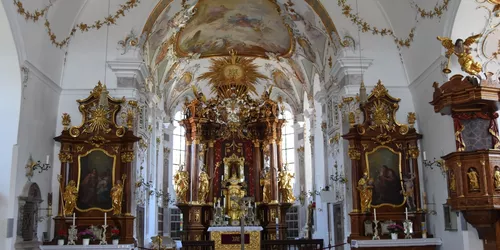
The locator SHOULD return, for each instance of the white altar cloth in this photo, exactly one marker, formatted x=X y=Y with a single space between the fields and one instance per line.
x=89 y=247
x=396 y=243
x=235 y=229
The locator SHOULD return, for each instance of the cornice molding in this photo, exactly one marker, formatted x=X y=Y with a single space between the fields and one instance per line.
x=128 y=93
x=352 y=90
x=350 y=66
x=41 y=76
x=129 y=69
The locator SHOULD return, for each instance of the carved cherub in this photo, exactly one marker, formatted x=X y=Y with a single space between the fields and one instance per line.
x=461 y=49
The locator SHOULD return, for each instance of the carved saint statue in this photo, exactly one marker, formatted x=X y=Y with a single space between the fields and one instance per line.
x=365 y=188
x=181 y=182
x=285 y=185
x=234 y=193
x=117 y=197
x=473 y=179
x=265 y=182
x=203 y=187
x=496 y=176
x=69 y=196
x=461 y=49
x=453 y=182
x=408 y=191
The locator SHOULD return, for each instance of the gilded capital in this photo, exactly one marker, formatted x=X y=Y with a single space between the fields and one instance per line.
x=127 y=157
x=210 y=144
x=354 y=153
x=65 y=157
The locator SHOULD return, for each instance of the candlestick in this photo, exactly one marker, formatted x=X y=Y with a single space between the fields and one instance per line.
x=105 y=218
x=73 y=219
x=406 y=213
x=375 y=230
x=103 y=236
x=425 y=157
x=374 y=214
x=425 y=201
x=72 y=235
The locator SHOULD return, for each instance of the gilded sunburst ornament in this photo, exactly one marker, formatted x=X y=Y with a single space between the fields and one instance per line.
x=232 y=75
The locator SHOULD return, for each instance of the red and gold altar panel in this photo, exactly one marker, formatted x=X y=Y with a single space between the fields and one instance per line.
x=226 y=238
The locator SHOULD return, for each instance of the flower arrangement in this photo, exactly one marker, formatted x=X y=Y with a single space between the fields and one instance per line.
x=312 y=206
x=86 y=234
x=395 y=228
x=115 y=234
x=62 y=234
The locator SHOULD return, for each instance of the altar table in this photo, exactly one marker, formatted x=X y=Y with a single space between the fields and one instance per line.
x=89 y=247
x=230 y=237
x=414 y=244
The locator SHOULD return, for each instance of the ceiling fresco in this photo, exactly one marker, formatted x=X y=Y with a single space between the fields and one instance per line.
x=250 y=28
x=287 y=42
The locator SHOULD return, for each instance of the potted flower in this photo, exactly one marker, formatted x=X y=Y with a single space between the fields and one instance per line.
x=115 y=235
x=86 y=235
x=394 y=229
x=61 y=237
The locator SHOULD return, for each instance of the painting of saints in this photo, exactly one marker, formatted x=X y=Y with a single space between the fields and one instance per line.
x=384 y=168
x=95 y=181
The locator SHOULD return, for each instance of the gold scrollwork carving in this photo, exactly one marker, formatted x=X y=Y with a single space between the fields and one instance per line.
x=65 y=157
x=413 y=151
x=403 y=129
x=412 y=117
x=354 y=153
x=383 y=139
x=127 y=157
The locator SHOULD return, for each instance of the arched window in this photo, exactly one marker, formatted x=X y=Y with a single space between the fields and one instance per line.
x=179 y=143
x=287 y=143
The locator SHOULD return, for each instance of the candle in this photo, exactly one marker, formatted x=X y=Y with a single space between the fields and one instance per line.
x=73 y=219
x=105 y=218
x=375 y=214
x=425 y=157
x=47 y=160
x=277 y=220
x=406 y=213
x=425 y=201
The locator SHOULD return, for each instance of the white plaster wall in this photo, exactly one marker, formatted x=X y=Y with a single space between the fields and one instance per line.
x=38 y=128
x=10 y=104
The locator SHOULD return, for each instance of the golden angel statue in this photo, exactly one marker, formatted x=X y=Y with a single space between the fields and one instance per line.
x=70 y=196
x=365 y=189
x=181 y=184
x=117 y=197
x=265 y=182
x=285 y=185
x=461 y=49
x=203 y=187
x=473 y=179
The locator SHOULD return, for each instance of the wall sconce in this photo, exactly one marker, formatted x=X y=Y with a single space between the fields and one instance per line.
x=32 y=166
x=435 y=163
x=48 y=209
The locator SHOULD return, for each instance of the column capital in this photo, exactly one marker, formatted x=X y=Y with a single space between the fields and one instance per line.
x=351 y=65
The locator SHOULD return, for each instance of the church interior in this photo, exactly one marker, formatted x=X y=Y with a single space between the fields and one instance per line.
x=250 y=124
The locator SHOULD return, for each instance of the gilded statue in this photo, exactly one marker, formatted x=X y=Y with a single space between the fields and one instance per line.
x=234 y=193
x=181 y=183
x=203 y=187
x=496 y=176
x=285 y=185
x=473 y=179
x=461 y=49
x=365 y=189
x=265 y=182
x=453 y=182
x=408 y=191
x=70 y=196
x=117 y=197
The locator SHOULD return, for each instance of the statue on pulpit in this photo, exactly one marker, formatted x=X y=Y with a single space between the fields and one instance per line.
x=285 y=185
x=181 y=182
x=265 y=182
x=234 y=193
x=70 y=196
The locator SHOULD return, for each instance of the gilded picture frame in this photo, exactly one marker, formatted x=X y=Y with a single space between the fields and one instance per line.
x=383 y=165
x=96 y=175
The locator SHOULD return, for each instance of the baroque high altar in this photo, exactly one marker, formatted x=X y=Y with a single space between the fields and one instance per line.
x=233 y=167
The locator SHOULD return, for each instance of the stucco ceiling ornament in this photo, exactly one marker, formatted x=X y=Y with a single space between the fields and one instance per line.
x=364 y=26
x=83 y=27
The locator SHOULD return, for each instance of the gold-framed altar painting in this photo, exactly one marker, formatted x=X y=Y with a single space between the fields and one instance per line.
x=384 y=167
x=96 y=175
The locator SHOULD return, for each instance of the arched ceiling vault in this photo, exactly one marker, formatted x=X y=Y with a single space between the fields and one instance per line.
x=289 y=42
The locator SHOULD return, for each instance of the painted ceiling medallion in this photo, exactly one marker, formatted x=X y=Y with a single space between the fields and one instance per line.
x=251 y=28
x=232 y=76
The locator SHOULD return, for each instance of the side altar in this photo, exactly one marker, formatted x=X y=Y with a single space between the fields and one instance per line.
x=96 y=165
